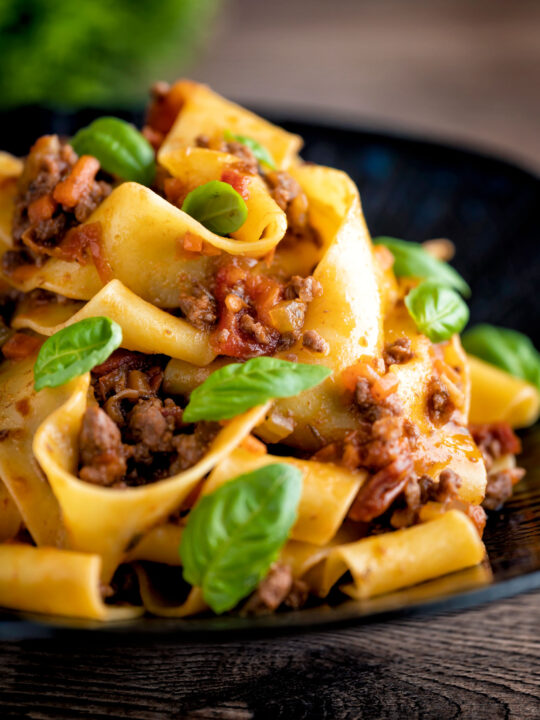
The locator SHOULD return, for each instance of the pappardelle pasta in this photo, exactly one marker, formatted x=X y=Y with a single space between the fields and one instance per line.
x=218 y=393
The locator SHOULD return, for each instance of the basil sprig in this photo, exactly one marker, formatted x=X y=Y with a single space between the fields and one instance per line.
x=217 y=206
x=262 y=154
x=411 y=260
x=120 y=148
x=235 y=388
x=74 y=350
x=438 y=311
x=508 y=349
x=234 y=534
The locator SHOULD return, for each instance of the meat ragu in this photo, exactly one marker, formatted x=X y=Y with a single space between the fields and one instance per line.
x=248 y=312
x=56 y=192
x=135 y=435
x=341 y=398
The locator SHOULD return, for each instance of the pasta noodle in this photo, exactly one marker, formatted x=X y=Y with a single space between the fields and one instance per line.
x=217 y=392
x=145 y=328
x=105 y=520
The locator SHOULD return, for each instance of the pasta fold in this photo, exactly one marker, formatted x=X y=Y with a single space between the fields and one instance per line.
x=382 y=563
x=10 y=517
x=22 y=410
x=106 y=520
x=497 y=396
x=206 y=113
x=56 y=582
x=265 y=224
x=145 y=328
x=327 y=493
x=162 y=606
x=347 y=315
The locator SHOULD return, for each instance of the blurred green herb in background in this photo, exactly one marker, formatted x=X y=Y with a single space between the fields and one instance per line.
x=101 y=53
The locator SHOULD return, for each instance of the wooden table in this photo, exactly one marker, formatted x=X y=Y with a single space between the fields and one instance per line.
x=449 y=68
x=483 y=664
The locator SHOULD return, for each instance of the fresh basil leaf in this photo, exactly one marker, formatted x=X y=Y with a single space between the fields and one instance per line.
x=74 y=350
x=411 y=260
x=438 y=311
x=508 y=349
x=235 y=388
x=234 y=534
x=217 y=206
x=262 y=154
x=120 y=148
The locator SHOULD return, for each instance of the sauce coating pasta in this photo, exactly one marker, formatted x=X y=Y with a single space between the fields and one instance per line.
x=287 y=413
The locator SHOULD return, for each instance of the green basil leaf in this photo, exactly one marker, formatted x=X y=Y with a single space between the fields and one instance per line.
x=262 y=154
x=235 y=388
x=438 y=311
x=74 y=350
x=217 y=206
x=411 y=260
x=119 y=147
x=234 y=534
x=508 y=349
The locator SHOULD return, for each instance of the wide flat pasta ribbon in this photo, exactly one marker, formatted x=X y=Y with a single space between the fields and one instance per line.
x=347 y=315
x=497 y=396
x=327 y=491
x=145 y=328
x=10 y=517
x=265 y=224
x=22 y=410
x=107 y=520
x=206 y=113
x=394 y=560
x=142 y=245
x=56 y=582
x=158 y=604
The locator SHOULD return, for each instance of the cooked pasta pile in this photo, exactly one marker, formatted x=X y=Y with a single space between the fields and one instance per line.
x=217 y=393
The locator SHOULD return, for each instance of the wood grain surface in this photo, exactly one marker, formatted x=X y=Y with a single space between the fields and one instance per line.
x=482 y=664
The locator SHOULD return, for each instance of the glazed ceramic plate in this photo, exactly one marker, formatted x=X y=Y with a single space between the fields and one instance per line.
x=414 y=190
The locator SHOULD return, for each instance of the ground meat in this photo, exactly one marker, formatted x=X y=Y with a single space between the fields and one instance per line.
x=200 y=308
x=191 y=448
x=249 y=161
x=250 y=164
x=439 y=405
x=291 y=199
x=257 y=314
x=313 y=341
x=398 y=352
x=20 y=346
x=148 y=426
x=381 y=489
x=369 y=408
x=254 y=295
x=102 y=455
x=306 y=289
x=121 y=359
x=495 y=440
x=500 y=486
x=252 y=327
x=447 y=487
x=56 y=191
x=283 y=187
x=277 y=588
x=382 y=443
x=155 y=441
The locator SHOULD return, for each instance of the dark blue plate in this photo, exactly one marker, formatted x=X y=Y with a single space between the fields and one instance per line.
x=415 y=190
